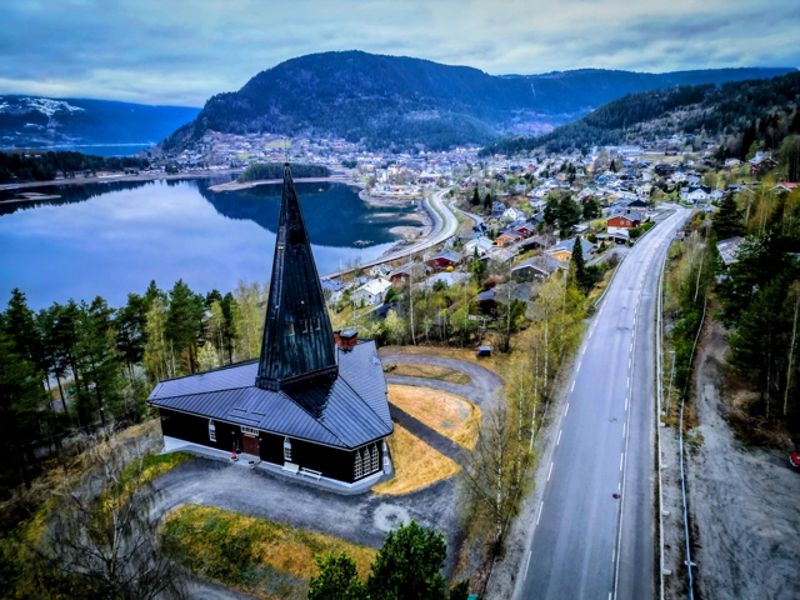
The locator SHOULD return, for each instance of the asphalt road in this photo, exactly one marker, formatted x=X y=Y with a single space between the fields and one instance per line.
x=593 y=535
x=444 y=226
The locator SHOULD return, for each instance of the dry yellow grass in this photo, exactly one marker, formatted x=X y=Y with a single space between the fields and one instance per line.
x=494 y=363
x=448 y=414
x=416 y=464
x=430 y=372
x=251 y=554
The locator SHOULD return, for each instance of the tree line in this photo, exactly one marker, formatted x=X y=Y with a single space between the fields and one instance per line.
x=82 y=367
x=44 y=166
x=273 y=170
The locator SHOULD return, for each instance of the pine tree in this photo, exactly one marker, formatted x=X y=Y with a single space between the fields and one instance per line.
x=185 y=323
x=487 y=203
x=728 y=220
x=476 y=199
x=409 y=565
x=569 y=215
x=577 y=268
x=337 y=579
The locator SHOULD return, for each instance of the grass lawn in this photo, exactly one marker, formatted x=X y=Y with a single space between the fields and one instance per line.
x=416 y=464
x=448 y=414
x=494 y=363
x=256 y=556
x=430 y=371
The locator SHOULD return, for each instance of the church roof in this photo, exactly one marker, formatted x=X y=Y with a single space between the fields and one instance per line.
x=298 y=339
x=347 y=412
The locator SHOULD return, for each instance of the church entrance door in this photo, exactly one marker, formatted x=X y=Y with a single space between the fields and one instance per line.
x=250 y=445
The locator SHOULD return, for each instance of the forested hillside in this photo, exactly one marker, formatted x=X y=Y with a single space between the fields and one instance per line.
x=402 y=102
x=724 y=112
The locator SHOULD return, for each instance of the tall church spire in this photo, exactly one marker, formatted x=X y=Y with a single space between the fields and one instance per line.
x=298 y=340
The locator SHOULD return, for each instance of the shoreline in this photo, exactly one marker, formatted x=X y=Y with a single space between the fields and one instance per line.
x=149 y=176
x=235 y=186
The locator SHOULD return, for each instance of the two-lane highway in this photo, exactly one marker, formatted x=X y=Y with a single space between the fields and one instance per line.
x=593 y=535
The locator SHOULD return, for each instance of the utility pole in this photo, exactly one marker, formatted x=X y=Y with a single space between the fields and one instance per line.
x=669 y=387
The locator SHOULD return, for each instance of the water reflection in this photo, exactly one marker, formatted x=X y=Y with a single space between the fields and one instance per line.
x=111 y=239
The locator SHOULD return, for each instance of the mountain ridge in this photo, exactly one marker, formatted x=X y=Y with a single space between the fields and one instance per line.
x=720 y=112
x=396 y=102
x=30 y=121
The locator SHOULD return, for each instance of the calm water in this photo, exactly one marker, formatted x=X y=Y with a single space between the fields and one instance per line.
x=111 y=239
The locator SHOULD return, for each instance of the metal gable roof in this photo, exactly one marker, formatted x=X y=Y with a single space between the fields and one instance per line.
x=350 y=411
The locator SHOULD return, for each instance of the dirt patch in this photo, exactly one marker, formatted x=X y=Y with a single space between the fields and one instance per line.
x=416 y=464
x=742 y=499
x=453 y=417
x=428 y=370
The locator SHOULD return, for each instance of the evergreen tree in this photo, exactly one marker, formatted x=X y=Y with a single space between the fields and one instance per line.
x=728 y=220
x=487 y=203
x=476 y=199
x=550 y=214
x=569 y=215
x=185 y=323
x=409 y=565
x=577 y=268
x=20 y=397
x=130 y=322
x=591 y=209
x=337 y=579
x=99 y=364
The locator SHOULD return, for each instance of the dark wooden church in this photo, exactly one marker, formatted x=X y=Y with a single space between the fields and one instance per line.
x=313 y=404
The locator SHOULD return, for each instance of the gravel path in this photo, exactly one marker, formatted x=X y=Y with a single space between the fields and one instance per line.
x=743 y=501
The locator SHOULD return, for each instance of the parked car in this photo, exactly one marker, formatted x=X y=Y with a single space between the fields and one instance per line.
x=794 y=460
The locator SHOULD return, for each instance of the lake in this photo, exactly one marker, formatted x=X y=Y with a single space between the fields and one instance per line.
x=111 y=239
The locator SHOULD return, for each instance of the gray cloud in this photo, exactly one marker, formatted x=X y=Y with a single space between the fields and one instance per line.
x=181 y=52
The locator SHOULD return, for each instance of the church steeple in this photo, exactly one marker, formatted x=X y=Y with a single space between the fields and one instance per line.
x=298 y=340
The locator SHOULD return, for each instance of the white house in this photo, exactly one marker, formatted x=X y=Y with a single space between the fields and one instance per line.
x=482 y=244
x=372 y=292
x=513 y=214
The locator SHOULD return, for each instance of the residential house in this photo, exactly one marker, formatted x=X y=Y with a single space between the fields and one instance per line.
x=372 y=292
x=696 y=194
x=563 y=250
x=512 y=214
x=624 y=220
x=399 y=277
x=482 y=244
x=444 y=260
x=537 y=267
x=728 y=248
x=449 y=278
x=508 y=237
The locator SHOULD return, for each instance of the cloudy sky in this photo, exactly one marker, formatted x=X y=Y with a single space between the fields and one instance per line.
x=182 y=52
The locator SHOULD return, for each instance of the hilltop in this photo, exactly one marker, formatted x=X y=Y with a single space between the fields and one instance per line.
x=402 y=102
x=37 y=121
x=720 y=112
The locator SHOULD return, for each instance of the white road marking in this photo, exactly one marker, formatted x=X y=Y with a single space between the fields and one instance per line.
x=629 y=382
x=613 y=555
x=621 y=458
x=558 y=441
x=528 y=564
x=550 y=472
x=539 y=516
x=566 y=410
x=630 y=362
x=579 y=365
x=572 y=389
x=623 y=430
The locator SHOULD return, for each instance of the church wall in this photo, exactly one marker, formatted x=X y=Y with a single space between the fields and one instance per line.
x=331 y=462
x=195 y=429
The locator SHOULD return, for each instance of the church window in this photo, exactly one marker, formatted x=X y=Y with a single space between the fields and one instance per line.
x=287 y=450
x=375 y=458
x=367 y=462
x=358 y=470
